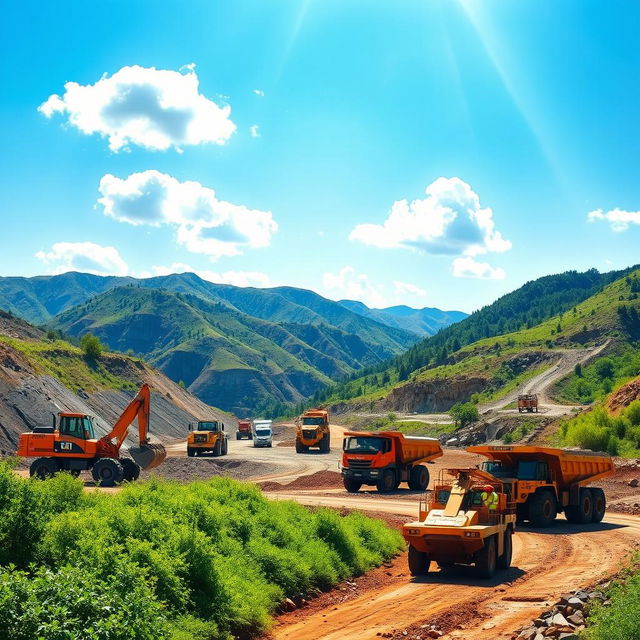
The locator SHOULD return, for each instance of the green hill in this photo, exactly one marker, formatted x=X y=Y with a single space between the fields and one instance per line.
x=458 y=367
x=226 y=357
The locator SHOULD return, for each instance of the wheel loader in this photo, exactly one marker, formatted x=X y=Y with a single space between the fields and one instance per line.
x=207 y=436
x=456 y=525
x=70 y=444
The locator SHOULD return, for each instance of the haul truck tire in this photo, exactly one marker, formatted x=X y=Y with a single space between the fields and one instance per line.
x=542 y=509
x=237 y=435
x=351 y=484
x=418 y=562
x=387 y=482
x=582 y=513
x=300 y=448
x=191 y=452
x=325 y=444
x=487 y=561
x=43 y=468
x=108 y=472
x=131 y=470
x=418 y=478
x=599 y=505
x=217 y=449
x=504 y=561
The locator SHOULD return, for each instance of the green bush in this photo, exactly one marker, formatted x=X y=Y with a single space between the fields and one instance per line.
x=91 y=346
x=213 y=557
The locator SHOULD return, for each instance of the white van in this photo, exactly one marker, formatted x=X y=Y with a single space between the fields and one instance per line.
x=262 y=433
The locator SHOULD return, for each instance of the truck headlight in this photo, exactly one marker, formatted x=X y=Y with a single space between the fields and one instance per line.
x=413 y=532
x=471 y=534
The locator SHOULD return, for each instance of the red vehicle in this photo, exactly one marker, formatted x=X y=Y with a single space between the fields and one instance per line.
x=244 y=430
x=385 y=459
x=528 y=402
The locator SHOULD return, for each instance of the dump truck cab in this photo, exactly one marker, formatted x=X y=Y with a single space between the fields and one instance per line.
x=312 y=430
x=385 y=459
x=461 y=522
x=544 y=481
x=207 y=436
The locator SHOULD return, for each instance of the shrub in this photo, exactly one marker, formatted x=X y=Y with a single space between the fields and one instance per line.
x=464 y=414
x=91 y=346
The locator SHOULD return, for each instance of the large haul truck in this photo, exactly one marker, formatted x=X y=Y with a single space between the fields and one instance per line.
x=312 y=430
x=385 y=459
x=207 y=436
x=456 y=526
x=543 y=481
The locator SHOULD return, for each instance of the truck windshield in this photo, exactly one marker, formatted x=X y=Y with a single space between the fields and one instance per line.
x=312 y=421
x=208 y=426
x=263 y=432
x=497 y=469
x=364 y=444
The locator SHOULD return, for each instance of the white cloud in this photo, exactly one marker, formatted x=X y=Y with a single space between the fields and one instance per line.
x=255 y=133
x=204 y=223
x=348 y=284
x=259 y=92
x=467 y=267
x=404 y=288
x=237 y=278
x=448 y=221
x=618 y=219
x=84 y=256
x=152 y=108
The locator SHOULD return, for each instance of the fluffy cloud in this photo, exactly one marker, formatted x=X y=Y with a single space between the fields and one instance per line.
x=259 y=92
x=148 y=107
x=403 y=288
x=237 y=278
x=448 y=221
x=348 y=284
x=204 y=223
x=254 y=129
x=467 y=267
x=84 y=256
x=618 y=219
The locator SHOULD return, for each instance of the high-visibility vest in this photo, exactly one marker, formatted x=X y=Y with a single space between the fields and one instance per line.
x=490 y=500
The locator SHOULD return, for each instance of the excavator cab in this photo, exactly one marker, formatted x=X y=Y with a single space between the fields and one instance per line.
x=76 y=425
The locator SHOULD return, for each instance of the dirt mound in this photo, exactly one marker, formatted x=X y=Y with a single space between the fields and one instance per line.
x=624 y=396
x=318 y=480
x=622 y=495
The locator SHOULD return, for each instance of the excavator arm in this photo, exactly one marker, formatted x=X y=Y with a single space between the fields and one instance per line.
x=148 y=454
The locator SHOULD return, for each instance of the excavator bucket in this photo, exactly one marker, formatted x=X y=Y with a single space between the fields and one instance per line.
x=149 y=455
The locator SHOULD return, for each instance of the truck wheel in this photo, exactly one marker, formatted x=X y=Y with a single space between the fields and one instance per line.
x=504 y=561
x=582 y=513
x=387 y=482
x=325 y=443
x=419 y=478
x=107 y=472
x=351 y=484
x=418 y=562
x=43 y=468
x=131 y=470
x=190 y=452
x=542 y=509
x=599 y=505
x=486 y=562
x=225 y=447
x=217 y=449
x=300 y=448
x=237 y=436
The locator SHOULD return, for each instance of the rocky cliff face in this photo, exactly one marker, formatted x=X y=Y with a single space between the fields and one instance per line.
x=30 y=394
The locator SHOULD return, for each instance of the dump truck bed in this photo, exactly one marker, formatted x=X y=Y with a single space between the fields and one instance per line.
x=569 y=466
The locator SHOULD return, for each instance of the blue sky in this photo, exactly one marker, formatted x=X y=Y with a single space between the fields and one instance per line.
x=503 y=125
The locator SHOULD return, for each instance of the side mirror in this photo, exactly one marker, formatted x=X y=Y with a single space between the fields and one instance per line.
x=190 y=426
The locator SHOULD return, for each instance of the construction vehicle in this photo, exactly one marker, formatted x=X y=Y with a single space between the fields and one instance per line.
x=528 y=402
x=207 y=436
x=312 y=430
x=543 y=481
x=71 y=445
x=455 y=526
x=262 y=433
x=385 y=459
x=244 y=430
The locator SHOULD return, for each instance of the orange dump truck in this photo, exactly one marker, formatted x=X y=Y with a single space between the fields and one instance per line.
x=543 y=481
x=385 y=459
x=312 y=430
x=528 y=402
x=244 y=430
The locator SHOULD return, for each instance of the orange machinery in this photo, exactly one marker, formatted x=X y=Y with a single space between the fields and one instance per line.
x=71 y=445
x=544 y=481
x=528 y=402
x=387 y=458
x=312 y=430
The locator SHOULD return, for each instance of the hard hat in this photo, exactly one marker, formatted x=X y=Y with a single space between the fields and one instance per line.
x=488 y=488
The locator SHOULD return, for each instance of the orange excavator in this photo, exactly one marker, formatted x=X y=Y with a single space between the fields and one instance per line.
x=71 y=445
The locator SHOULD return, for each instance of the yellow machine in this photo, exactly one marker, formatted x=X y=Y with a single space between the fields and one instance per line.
x=207 y=436
x=312 y=430
x=459 y=525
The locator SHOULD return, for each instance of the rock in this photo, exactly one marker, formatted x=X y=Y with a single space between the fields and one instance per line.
x=576 y=618
x=528 y=634
x=568 y=636
x=559 y=620
x=634 y=482
x=434 y=633
x=576 y=603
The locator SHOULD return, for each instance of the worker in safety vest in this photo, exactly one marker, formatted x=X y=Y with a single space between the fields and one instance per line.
x=489 y=498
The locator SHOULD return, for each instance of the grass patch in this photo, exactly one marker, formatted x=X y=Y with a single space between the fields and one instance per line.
x=204 y=561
